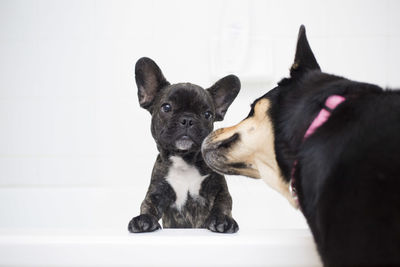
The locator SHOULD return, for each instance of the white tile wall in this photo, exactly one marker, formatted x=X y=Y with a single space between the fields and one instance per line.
x=356 y=18
x=68 y=109
x=393 y=61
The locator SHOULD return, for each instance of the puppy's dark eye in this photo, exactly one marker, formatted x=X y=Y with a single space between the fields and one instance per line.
x=166 y=107
x=208 y=115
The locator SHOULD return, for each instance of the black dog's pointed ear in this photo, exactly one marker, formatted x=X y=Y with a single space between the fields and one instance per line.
x=149 y=80
x=304 y=58
x=223 y=93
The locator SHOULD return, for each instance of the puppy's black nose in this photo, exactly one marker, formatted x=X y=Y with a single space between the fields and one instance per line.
x=186 y=122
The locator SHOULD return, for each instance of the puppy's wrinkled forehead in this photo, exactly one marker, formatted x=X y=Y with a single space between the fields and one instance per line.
x=188 y=97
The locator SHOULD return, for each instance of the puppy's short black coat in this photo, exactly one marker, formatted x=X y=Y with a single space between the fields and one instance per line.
x=183 y=191
x=347 y=174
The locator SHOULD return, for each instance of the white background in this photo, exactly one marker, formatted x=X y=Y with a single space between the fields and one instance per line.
x=75 y=147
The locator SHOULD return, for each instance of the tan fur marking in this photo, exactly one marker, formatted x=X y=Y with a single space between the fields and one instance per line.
x=256 y=149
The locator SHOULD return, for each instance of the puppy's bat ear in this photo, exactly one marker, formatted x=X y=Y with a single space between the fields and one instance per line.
x=304 y=58
x=223 y=93
x=149 y=80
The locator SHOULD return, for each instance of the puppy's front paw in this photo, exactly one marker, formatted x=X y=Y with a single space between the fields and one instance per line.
x=221 y=224
x=143 y=223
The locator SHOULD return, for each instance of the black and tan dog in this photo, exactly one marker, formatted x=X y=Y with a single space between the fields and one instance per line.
x=336 y=143
x=183 y=190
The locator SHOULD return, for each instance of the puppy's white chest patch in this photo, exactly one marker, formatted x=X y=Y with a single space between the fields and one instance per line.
x=184 y=179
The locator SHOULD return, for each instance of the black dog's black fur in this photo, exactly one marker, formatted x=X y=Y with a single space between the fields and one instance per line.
x=348 y=171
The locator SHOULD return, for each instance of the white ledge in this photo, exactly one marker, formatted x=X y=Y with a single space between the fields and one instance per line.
x=167 y=247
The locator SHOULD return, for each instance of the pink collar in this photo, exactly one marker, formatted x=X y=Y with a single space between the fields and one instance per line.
x=330 y=104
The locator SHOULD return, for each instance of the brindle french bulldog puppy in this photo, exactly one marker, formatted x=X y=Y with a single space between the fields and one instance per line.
x=183 y=191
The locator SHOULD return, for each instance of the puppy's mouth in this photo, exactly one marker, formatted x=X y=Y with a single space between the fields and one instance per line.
x=184 y=143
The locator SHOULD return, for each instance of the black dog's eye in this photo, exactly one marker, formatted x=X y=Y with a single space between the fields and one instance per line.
x=208 y=115
x=166 y=107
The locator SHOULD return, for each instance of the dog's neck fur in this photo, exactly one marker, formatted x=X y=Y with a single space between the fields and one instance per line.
x=299 y=109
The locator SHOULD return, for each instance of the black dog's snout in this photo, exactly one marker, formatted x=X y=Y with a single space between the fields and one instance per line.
x=229 y=141
x=186 y=122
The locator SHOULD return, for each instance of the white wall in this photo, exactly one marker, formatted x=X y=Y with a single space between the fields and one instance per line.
x=69 y=115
